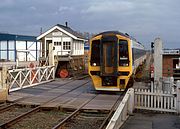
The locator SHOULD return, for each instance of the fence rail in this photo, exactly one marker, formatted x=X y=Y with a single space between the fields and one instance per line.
x=124 y=109
x=163 y=101
x=156 y=100
x=22 y=78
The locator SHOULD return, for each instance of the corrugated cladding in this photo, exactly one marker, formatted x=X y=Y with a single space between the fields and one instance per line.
x=4 y=37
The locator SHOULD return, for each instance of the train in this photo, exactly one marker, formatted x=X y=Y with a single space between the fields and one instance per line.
x=113 y=60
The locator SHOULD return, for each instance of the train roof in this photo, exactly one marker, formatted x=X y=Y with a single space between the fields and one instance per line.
x=112 y=32
x=119 y=33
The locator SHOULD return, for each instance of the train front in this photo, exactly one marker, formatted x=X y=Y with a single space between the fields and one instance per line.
x=110 y=64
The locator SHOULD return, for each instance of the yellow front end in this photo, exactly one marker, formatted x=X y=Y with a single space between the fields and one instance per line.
x=104 y=80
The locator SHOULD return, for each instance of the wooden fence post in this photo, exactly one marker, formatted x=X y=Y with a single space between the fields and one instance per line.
x=3 y=84
x=178 y=96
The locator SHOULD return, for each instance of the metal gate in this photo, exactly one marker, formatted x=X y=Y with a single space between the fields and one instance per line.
x=22 y=78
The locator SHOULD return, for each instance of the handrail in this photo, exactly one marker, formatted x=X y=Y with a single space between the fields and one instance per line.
x=123 y=111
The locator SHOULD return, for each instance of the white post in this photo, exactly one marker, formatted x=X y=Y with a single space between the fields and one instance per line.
x=171 y=88
x=4 y=84
x=178 y=96
x=131 y=101
x=54 y=71
x=17 y=62
x=1 y=82
x=158 y=62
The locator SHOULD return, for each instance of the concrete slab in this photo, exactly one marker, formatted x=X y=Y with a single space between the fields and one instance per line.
x=36 y=100
x=102 y=102
x=70 y=95
x=58 y=102
x=152 y=121
x=74 y=103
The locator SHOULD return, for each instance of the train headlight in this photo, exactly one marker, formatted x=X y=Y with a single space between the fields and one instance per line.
x=94 y=64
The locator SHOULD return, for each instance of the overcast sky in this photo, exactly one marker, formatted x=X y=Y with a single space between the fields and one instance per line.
x=143 y=19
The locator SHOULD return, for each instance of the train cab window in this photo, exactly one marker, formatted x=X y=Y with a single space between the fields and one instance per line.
x=123 y=53
x=95 y=53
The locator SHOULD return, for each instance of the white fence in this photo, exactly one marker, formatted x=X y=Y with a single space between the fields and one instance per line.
x=167 y=85
x=156 y=101
x=145 y=99
x=124 y=109
x=22 y=78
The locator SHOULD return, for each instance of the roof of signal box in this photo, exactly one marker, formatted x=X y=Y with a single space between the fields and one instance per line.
x=65 y=29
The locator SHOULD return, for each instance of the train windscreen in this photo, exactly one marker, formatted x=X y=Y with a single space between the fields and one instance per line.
x=123 y=53
x=95 y=53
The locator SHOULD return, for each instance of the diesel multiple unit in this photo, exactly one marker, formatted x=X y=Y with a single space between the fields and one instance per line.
x=114 y=58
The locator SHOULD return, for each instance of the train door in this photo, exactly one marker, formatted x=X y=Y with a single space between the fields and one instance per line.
x=109 y=56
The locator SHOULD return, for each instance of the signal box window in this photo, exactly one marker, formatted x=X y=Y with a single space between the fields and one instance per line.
x=123 y=53
x=57 y=43
x=67 y=45
x=95 y=53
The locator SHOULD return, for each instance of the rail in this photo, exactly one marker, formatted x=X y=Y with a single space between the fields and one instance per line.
x=123 y=111
x=20 y=117
x=22 y=78
x=72 y=114
x=104 y=123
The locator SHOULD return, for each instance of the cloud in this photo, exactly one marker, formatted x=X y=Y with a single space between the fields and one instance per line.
x=109 y=6
x=143 y=19
x=6 y=3
x=64 y=8
x=33 y=8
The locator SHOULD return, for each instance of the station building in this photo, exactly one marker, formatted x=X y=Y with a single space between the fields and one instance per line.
x=18 y=50
x=171 y=63
x=62 y=46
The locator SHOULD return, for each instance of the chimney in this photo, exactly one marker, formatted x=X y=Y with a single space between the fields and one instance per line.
x=41 y=30
x=66 y=24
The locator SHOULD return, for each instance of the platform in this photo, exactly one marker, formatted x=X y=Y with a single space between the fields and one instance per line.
x=64 y=94
x=152 y=121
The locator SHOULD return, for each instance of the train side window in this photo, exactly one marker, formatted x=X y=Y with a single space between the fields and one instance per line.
x=95 y=53
x=123 y=53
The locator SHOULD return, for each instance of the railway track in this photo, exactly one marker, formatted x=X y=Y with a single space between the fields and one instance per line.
x=30 y=117
x=98 y=120
x=2 y=104
x=8 y=105
x=11 y=122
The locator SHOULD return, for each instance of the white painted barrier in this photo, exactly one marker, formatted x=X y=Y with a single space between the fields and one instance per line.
x=125 y=108
x=155 y=100
x=22 y=78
